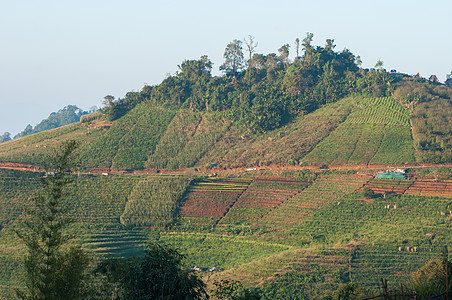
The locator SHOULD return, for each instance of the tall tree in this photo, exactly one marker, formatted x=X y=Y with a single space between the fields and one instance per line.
x=233 y=58
x=284 y=54
x=297 y=47
x=330 y=45
x=251 y=45
x=307 y=41
x=379 y=64
x=52 y=269
x=358 y=61
x=108 y=100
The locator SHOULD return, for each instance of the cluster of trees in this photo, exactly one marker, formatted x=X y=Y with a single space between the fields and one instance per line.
x=67 y=115
x=261 y=91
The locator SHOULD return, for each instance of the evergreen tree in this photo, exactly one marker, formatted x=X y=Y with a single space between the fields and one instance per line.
x=52 y=269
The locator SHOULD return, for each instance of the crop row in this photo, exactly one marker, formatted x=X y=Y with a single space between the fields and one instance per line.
x=258 y=200
x=323 y=191
x=389 y=185
x=429 y=188
x=210 y=200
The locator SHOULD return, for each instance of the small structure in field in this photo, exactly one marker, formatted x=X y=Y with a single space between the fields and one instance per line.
x=392 y=174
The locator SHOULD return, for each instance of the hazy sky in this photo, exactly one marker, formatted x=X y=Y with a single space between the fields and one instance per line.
x=56 y=53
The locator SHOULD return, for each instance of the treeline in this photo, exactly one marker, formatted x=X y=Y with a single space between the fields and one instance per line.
x=264 y=91
x=67 y=115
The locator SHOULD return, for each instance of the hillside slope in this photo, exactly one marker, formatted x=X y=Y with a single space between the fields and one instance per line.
x=353 y=131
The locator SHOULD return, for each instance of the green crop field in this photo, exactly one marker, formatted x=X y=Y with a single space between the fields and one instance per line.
x=376 y=132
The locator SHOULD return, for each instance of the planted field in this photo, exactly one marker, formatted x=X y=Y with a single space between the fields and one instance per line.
x=382 y=185
x=376 y=132
x=188 y=137
x=222 y=251
x=394 y=236
x=292 y=273
x=385 y=111
x=116 y=242
x=153 y=201
x=130 y=140
x=370 y=263
x=431 y=188
x=262 y=196
x=209 y=200
x=325 y=190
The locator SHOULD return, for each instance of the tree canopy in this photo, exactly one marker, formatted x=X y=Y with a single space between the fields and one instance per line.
x=265 y=92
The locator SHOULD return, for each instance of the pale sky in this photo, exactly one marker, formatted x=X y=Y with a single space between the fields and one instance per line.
x=56 y=53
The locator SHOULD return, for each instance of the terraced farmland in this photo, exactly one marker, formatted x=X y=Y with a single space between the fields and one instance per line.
x=395 y=186
x=116 y=242
x=323 y=191
x=370 y=263
x=431 y=188
x=262 y=196
x=209 y=200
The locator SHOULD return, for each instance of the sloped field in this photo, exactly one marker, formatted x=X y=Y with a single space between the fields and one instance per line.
x=377 y=132
x=323 y=191
x=208 y=201
x=261 y=197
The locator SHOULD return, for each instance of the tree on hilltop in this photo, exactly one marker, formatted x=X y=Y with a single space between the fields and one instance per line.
x=233 y=58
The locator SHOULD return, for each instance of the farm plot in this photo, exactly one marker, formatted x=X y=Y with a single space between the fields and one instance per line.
x=385 y=111
x=288 y=269
x=153 y=201
x=222 y=251
x=377 y=132
x=431 y=188
x=394 y=186
x=209 y=200
x=370 y=263
x=116 y=242
x=322 y=192
x=263 y=195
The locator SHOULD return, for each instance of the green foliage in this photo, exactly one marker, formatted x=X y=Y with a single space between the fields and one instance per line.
x=158 y=275
x=51 y=271
x=5 y=137
x=432 y=131
x=233 y=290
x=430 y=280
x=368 y=192
x=67 y=115
x=301 y=285
x=347 y=291
x=153 y=202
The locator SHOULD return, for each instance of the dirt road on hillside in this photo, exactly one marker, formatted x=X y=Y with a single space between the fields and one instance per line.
x=25 y=167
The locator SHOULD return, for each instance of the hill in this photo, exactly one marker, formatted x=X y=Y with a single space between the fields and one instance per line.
x=266 y=174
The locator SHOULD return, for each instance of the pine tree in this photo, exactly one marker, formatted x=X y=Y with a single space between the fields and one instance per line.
x=53 y=270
